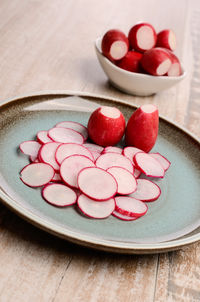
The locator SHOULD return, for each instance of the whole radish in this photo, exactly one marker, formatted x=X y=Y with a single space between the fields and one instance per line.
x=114 y=44
x=131 y=61
x=106 y=126
x=142 y=37
x=167 y=39
x=142 y=128
x=156 y=61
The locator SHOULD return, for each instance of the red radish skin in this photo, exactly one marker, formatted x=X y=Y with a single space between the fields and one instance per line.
x=108 y=160
x=59 y=195
x=142 y=128
x=42 y=137
x=97 y=184
x=123 y=217
x=130 y=206
x=131 y=61
x=142 y=37
x=95 y=209
x=112 y=150
x=114 y=44
x=37 y=174
x=106 y=126
x=47 y=154
x=65 y=135
x=126 y=182
x=175 y=69
x=165 y=163
x=75 y=126
x=156 y=61
x=71 y=166
x=146 y=190
x=30 y=148
x=148 y=165
x=166 y=39
x=66 y=150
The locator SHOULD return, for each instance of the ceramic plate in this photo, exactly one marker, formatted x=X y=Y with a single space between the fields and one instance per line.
x=170 y=223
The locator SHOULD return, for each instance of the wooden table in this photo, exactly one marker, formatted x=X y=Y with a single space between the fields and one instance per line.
x=49 y=45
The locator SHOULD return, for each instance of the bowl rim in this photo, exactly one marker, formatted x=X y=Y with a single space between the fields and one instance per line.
x=135 y=74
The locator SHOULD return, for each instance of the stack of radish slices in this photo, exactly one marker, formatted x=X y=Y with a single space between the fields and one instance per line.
x=100 y=181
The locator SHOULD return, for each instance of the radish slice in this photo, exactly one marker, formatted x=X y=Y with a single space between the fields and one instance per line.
x=108 y=160
x=112 y=150
x=93 y=147
x=75 y=126
x=37 y=174
x=43 y=138
x=56 y=177
x=123 y=217
x=30 y=148
x=47 y=154
x=130 y=152
x=65 y=150
x=125 y=180
x=137 y=173
x=65 y=135
x=130 y=206
x=148 y=165
x=97 y=184
x=146 y=190
x=95 y=154
x=59 y=195
x=33 y=159
x=96 y=209
x=162 y=160
x=71 y=166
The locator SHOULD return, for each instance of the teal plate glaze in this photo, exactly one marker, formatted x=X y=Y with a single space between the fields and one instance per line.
x=171 y=222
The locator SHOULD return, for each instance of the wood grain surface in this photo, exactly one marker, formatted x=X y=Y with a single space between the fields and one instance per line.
x=48 y=44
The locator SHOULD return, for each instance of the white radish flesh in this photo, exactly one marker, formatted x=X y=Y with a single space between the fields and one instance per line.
x=33 y=159
x=123 y=217
x=71 y=166
x=162 y=160
x=130 y=152
x=130 y=206
x=75 y=126
x=65 y=150
x=125 y=180
x=30 y=148
x=108 y=160
x=112 y=150
x=97 y=184
x=37 y=174
x=95 y=154
x=47 y=154
x=42 y=137
x=65 y=135
x=148 y=165
x=146 y=190
x=95 y=209
x=93 y=147
x=59 y=195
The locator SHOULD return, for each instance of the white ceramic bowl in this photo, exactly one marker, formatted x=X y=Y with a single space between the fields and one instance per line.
x=131 y=82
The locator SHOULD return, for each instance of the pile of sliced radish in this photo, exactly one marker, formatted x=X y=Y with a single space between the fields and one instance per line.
x=99 y=181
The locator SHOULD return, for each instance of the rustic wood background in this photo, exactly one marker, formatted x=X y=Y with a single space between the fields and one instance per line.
x=46 y=44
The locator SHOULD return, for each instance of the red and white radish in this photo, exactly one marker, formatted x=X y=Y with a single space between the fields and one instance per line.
x=71 y=166
x=123 y=217
x=175 y=69
x=30 y=148
x=47 y=154
x=93 y=147
x=65 y=135
x=142 y=128
x=131 y=61
x=130 y=206
x=65 y=150
x=142 y=37
x=106 y=126
x=59 y=195
x=112 y=150
x=166 y=39
x=97 y=184
x=75 y=126
x=114 y=44
x=156 y=61
x=165 y=163
x=108 y=160
x=146 y=190
x=130 y=152
x=126 y=182
x=37 y=174
x=95 y=209
x=148 y=165
x=42 y=137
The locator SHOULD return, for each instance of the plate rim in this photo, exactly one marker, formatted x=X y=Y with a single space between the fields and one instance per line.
x=84 y=239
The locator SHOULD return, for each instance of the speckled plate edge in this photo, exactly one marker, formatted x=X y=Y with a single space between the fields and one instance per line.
x=86 y=240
